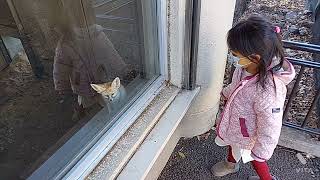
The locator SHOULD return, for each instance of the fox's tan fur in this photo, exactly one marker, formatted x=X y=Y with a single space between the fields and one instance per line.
x=113 y=93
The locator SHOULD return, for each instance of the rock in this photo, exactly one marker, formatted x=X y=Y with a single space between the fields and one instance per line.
x=302 y=17
x=306 y=23
x=301 y=159
x=290 y=53
x=285 y=34
x=277 y=18
x=294 y=29
x=284 y=11
x=291 y=16
x=310 y=156
x=280 y=17
x=265 y=8
x=307 y=12
x=303 y=31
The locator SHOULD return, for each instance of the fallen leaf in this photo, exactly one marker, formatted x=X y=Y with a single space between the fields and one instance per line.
x=206 y=136
x=182 y=155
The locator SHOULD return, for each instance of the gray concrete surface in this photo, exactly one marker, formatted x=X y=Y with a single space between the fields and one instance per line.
x=300 y=141
x=201 y=155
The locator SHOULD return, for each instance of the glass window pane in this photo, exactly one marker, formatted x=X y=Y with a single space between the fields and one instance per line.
x=94 y=57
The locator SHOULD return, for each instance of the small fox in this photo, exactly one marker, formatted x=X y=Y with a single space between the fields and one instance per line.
x=113 y=93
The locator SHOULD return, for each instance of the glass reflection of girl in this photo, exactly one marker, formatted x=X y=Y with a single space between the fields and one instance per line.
x=84 y=54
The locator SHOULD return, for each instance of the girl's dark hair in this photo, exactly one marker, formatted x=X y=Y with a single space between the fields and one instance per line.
x=256 y=35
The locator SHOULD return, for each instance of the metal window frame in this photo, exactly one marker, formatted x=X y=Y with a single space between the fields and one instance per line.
x=33 y=58
x=192 y=25
x=81 y=166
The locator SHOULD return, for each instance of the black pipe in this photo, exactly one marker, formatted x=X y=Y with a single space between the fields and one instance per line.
x=309 y=130
x=307 y=63
x=301 y=46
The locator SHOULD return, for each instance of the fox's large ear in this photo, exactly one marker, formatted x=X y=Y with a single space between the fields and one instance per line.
x=98 y=87
x=116 y=83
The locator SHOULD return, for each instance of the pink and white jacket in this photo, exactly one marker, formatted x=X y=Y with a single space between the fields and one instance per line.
x=252 y=116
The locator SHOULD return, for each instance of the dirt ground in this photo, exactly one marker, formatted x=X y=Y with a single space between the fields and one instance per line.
x=32 y=118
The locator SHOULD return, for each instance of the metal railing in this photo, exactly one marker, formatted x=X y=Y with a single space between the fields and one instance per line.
x=311 y=48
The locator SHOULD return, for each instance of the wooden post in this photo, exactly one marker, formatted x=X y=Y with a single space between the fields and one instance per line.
x=34 y=60
x=5 y=57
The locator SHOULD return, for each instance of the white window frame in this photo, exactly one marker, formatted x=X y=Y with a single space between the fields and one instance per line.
x=59 y=166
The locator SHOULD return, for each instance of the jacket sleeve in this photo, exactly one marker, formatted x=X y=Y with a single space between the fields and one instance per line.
x=62 y=69
x=226 y=92
x=269 y=122
x=115 y=61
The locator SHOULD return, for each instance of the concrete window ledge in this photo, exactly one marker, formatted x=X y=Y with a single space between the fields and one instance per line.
x=135 y=155
x=300 y=141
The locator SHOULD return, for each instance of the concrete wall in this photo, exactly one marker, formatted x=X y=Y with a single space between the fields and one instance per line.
x=216 y=20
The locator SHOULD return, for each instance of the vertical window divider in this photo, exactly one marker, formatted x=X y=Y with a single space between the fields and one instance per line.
x=192 y=24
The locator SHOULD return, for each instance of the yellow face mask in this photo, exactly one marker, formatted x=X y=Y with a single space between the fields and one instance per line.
x=239 y=61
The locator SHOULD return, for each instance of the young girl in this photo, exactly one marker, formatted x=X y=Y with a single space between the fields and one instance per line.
x=251 y=122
